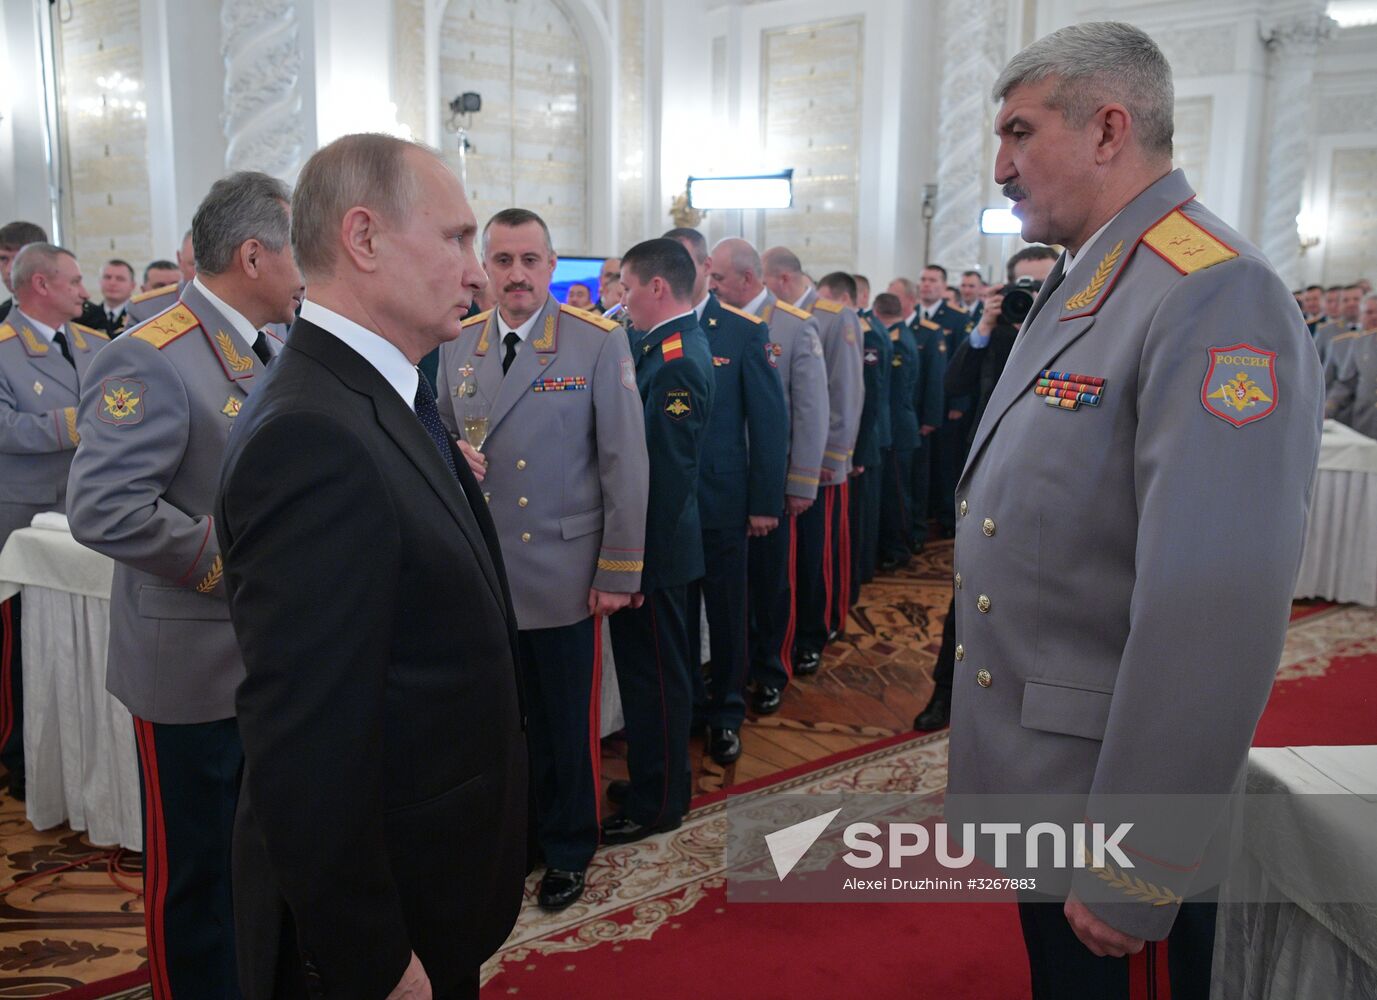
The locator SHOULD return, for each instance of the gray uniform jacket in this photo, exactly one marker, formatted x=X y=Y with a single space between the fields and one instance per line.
x=568 y=473
x=1124 y=570
x=155 y=414
x=1352 y=396
x=38 y=426
x=839 y=329
x=796 y=350
x=145 y=305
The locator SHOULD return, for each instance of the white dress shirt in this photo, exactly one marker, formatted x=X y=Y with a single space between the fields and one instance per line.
x=241 y=325
x=382 y=354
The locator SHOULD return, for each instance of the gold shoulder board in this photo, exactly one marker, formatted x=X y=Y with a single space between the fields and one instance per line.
x=166 y=327
x=90 y=332
x=742 y=313
x=7 y=332
x=607 y=325
x=480 y=318
x=929 y=324
x=827 y=305
x=792 y=310
x=153 y=293
x=1182 y=243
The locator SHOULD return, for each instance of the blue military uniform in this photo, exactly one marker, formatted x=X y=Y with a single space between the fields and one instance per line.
x=932 y=412
x=873 y=441
x=949 y=440
x=737 y=479
x=907 y=378
x=674 y=376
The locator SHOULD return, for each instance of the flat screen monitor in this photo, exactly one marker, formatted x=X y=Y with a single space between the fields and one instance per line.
x=576 y=271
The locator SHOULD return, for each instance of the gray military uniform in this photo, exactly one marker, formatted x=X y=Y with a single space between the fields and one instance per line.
x=1352 y=396
x=839 y=330
x=568 y=473
x=145 y=305
x=155 y=414
x=38 y=426
x=1124 y=569
x=796 y=350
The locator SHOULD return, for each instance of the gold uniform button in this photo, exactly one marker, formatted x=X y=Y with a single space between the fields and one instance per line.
x=958 y=581
x=988 y=526
x=521 y=463
x=982 y=604
x=525 y=536
x=983 y=678
x=960 y=651
x=964 y=508
x=522 y=502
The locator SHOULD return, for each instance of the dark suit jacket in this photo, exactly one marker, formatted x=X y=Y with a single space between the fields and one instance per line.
x=384 y=800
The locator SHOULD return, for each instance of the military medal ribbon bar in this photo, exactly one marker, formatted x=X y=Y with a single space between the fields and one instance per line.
x=1067 y=390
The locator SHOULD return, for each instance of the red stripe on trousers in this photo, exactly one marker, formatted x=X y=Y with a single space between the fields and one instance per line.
x=828 y=505
x=844 y=598
x=6 y=652
x=786 y=652
x=155 y=863
x=595 y=720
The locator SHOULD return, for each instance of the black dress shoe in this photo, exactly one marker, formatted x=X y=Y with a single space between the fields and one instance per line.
x=890 y=563
x=724 y=745
x=766 y=700
x=618 y=791
x=936 y=715
x=559 y=889
x=622 y=829
x=806 y=662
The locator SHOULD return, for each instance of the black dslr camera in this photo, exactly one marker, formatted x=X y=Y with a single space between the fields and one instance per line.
x=1018 y=299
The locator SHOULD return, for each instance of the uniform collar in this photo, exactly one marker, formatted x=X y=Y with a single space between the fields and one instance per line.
x=42 y=329
x=758 y=303
x=1072 y=259
x=381 y=354
x=676 y=322
x=701 y=307
x=523 y=332
x=240 y=325
x=803 y=300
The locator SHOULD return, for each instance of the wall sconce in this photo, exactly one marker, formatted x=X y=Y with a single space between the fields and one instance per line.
x=1308 y=229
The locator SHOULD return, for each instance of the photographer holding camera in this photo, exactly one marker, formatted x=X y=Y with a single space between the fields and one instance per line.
x=973 y=370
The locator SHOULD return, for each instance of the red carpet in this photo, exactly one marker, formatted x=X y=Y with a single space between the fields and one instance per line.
x=1326 y=690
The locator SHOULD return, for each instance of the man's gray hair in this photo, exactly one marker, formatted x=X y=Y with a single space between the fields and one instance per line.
x=243 y=206
x=366 y=169
x=36 y=258
x=1097 y=63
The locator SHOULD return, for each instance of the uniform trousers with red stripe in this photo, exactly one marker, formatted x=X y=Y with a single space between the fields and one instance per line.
x=720 y=702
x=650 y=645
x=12 y=696
x=1061 y=966
x=189 y=782
x=770 y=564
x=822 y=579
x=562 y=671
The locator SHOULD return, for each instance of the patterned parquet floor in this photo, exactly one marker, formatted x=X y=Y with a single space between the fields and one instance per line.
x=81 y=925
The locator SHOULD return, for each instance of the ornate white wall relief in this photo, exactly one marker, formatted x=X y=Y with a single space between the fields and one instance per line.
x=631 y=128
x=530 y=140
x=1350 y=248
x=1191 y=143
x=262 y=116
x=811 y=120
x=104 y=136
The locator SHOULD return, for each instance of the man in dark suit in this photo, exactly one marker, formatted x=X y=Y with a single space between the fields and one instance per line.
x=380 y=844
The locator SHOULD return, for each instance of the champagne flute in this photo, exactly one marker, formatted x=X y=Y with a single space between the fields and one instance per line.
x=474 y=408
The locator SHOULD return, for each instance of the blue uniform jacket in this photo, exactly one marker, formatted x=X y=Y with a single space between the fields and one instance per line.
x=674 y=376
x=875 y=433
x=906 y=376
x=742 y=471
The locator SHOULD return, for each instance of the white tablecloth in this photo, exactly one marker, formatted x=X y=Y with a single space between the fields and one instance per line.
x=80 y=763
x=1339 y=562
x=1306 y=946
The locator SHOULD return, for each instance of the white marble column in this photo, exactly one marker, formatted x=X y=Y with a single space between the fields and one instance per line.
x=969 y=68
x=263 y=118
x=1293 y=43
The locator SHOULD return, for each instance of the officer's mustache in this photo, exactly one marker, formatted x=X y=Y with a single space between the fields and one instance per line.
x=518 y=288
x=1014 y=193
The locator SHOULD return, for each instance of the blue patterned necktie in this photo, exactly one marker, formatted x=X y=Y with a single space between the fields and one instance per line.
x=429 y=416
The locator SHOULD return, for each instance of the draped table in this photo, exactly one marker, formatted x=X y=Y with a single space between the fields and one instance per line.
x=1339 y=562
x=79 y=758
x=1298 y=914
